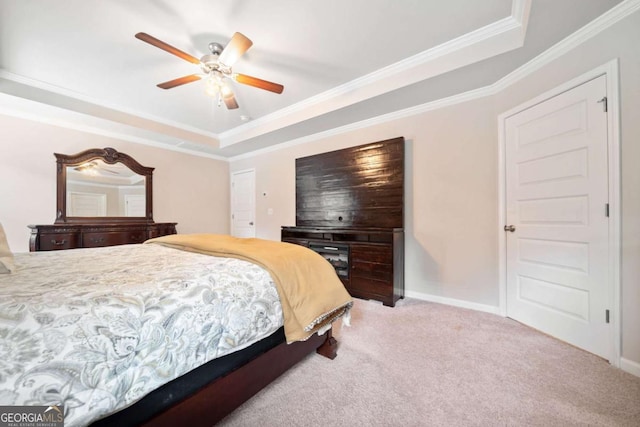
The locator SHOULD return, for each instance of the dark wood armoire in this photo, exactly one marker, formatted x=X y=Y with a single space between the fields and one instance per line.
x=350 y=209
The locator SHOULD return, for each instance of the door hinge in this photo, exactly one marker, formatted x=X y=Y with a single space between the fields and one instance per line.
x=604 y=104
x=606 y=316
x=606 y=210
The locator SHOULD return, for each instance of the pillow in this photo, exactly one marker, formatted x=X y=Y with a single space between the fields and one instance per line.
x=6 y=257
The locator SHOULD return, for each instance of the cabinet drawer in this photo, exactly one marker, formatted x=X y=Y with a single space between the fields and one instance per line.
x=371 y=287
x=381 y=254
x=372 y=262
x=371 y=270
x=159 y=230
x=58 y=241
x=95 y=240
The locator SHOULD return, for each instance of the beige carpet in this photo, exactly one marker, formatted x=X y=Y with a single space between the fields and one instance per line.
x=423 y=364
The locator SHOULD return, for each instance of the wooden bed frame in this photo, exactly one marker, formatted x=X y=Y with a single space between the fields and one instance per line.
x=221 y=397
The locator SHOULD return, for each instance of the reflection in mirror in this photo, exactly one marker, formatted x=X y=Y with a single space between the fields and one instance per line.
x=102 y=186
x=98 y=189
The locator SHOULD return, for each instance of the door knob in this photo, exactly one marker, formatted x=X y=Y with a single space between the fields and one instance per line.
x=251 y=223
x=510 y=228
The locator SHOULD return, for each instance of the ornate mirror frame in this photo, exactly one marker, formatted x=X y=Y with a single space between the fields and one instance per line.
x=109 y=156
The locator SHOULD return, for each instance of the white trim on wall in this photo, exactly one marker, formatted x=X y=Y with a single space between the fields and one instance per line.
x=453 y=302
x=501 y=36
x=610 y=70
x=12 y=106
x=595 y=27
x=630 y=366
x=56 y=116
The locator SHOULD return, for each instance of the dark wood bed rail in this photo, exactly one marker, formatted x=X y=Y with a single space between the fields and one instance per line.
x=221 y=397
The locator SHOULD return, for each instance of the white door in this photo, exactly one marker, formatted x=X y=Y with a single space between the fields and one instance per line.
x=86 y=204
x=134 y=205
x=556 y=199
x=243 y=200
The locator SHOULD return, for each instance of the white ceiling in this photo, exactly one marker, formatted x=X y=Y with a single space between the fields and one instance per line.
x=76 y=63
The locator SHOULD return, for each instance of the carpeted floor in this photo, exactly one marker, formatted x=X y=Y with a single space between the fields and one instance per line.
x=424 y=364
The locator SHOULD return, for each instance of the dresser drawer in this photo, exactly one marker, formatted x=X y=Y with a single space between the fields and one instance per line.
x=159 y=230
x=372 y=262
x=380 y=254
x=370 y=287
x=371 y=270
x=94 y=235
x=113 y=238
x=58 y=241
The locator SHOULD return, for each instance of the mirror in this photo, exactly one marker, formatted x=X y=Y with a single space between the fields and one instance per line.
x=103 y=185
x=96 y=188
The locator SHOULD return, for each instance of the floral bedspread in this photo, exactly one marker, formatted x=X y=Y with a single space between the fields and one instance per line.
x=97 y=329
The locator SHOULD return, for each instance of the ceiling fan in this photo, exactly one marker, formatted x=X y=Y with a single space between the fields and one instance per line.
x=92 y=168
x=215 y=68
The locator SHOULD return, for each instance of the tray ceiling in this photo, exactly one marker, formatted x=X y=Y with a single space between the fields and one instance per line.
x=77 y=63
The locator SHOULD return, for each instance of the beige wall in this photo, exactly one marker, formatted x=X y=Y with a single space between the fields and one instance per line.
x=192 y=191
x=451 y=199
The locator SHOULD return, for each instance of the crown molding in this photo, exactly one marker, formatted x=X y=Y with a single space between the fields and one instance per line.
x=43 y=113
x=396 y=115
x=514 y=27
x=493 y=39
x=595 y=27
x=21 y=87
x=520 y=10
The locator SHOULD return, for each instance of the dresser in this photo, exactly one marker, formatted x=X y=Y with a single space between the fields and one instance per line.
x=369 y=261
x=104 y=198
x=70 y=236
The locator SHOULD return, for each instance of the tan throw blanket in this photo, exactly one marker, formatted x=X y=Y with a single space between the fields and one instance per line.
x=311 y=293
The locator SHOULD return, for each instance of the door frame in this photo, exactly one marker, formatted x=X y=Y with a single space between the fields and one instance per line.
x=231 y=190
x=610 y=70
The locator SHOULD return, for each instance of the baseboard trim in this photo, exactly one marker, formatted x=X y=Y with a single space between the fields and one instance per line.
x=630 y=366
x=454 y=302
x=625 y=364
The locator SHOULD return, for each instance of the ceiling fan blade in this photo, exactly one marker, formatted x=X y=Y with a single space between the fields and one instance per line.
x=259 y=83
x=230 y=102
x=166 y=47
x=238 y=45
x=179 y=81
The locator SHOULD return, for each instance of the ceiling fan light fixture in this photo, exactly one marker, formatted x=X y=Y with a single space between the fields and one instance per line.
x=225 y=90
x=87 y=168
x=216 y=68
x=217 y=87
x=213 y=84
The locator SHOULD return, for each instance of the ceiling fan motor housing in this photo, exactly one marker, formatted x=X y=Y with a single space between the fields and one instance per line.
x=211 y=62
x=216 y=48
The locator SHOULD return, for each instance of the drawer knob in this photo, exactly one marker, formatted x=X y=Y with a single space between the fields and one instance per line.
x=56 y=243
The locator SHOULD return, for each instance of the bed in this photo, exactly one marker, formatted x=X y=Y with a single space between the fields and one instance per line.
x=182 y=329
